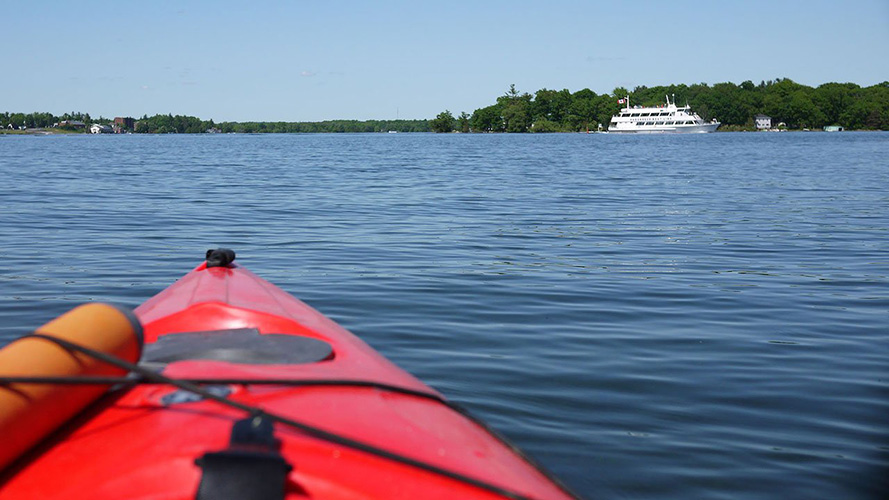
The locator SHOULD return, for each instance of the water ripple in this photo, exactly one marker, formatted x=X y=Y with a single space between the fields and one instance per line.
x=653 y=317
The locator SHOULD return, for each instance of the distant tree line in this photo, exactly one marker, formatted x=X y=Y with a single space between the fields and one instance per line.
x=797 y=106
x=160 y=124
x=45 y=120
x=179 y=124
x=349 y=126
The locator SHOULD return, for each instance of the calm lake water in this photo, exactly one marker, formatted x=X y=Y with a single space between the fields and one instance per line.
x=649 y=317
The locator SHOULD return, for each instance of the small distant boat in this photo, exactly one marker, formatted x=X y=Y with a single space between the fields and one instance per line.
x=660 y=119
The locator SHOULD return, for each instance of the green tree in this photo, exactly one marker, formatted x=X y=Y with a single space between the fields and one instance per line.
x=802 y=112
x=581 y=113
x=620 y=92
x=542 y=125
x=443 y=123
x=551 y=104
x=855 y=116
x=17 y=119
x=834 y=98
x=874 y=120
x=464 y=122
x=515 y=110
x=487 y=119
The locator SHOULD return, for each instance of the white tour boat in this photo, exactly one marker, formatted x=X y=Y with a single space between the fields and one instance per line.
x=658 y=120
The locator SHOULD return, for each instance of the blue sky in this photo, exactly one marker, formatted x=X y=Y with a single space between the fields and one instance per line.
x=310 y=61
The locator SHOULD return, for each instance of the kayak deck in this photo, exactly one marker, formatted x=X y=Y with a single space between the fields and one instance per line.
x=227 y=298
x=252 y=343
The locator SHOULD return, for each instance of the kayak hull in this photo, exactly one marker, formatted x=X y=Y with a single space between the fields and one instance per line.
x=146 y=441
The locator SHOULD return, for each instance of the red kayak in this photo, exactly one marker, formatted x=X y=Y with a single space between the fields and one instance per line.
x=243 y=391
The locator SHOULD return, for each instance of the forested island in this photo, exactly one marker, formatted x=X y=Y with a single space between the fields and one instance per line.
x=785 y=101
x=795 y=105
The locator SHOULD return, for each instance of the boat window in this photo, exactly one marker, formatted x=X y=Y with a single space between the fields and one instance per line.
x=659 y=123
x=669 y=123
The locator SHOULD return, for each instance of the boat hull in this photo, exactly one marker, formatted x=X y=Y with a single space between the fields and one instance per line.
x=685 y=129
x=149 y=441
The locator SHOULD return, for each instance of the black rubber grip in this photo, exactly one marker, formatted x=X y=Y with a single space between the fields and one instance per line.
x=220 y=257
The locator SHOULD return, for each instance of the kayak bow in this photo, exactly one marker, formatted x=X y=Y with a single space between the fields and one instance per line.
x=243 y=391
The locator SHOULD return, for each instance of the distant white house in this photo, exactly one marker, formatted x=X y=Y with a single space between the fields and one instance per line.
x=762 y=122
x=97 y=128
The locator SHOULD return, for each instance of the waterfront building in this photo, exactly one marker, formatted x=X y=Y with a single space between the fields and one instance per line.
x=763 y=122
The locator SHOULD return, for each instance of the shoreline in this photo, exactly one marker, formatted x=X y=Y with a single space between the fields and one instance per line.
x=46 y=132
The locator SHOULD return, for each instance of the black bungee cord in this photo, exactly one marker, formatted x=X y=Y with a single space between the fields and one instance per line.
x=144 y=375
